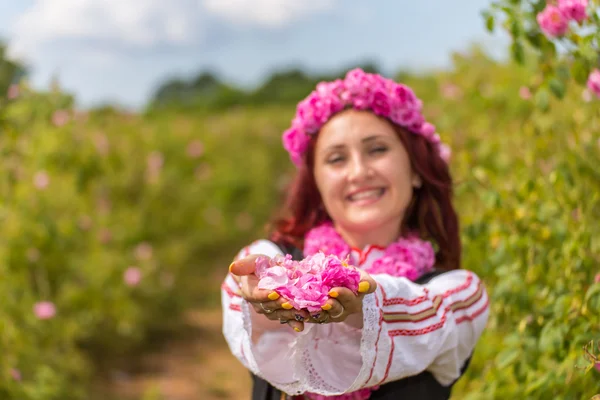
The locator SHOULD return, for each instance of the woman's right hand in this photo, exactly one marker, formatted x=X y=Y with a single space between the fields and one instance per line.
x=265 y=302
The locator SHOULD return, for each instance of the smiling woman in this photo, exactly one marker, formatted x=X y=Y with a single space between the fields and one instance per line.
x=373 y=188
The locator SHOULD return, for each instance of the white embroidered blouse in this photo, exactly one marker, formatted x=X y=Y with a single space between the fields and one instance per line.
x=407 y=328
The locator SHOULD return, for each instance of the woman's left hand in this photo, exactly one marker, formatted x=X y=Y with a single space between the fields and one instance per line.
x=343 y=304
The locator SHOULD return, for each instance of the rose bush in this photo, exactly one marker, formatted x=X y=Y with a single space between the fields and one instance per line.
x=112 y=223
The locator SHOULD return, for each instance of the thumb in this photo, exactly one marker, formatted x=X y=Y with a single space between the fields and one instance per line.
x=367 y=284
x=244 y=266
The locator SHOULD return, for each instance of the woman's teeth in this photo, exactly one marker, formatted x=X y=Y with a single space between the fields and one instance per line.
x=368 y=194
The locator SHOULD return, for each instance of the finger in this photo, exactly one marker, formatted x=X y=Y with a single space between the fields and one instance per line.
x=250 y=292
x=336 y=310
x=287 y=315
x=296 y=325
x=367 y=284
x=244 y=266
x=317 y=316
x=281 y=304
x=350 y=301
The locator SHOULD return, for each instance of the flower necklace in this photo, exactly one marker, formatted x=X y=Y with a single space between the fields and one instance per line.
x=409 y=257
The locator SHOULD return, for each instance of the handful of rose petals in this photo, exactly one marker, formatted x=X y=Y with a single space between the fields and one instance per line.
x=305 y=284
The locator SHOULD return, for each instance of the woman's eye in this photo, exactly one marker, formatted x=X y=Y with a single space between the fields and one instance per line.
x=334 y=160
x=379 y=150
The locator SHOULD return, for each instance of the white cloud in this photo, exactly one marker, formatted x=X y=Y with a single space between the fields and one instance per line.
x=268 y=13
x=131 y=23
x=143 y=23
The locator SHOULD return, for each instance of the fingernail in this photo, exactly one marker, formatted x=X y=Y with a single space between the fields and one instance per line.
x=363 y=286
x=297 y=329
x=287 y=306
x=231 y=266
x=299 y=318
x=326 y=307
x=334 y=294
x=273 y=296
x=316 y=316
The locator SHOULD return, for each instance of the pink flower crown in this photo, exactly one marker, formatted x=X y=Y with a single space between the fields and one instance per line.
x=360 y=90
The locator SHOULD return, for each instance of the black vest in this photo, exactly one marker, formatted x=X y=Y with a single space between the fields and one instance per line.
x=420 y=387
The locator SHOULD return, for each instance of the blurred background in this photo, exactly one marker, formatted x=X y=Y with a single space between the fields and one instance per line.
x=140 y=149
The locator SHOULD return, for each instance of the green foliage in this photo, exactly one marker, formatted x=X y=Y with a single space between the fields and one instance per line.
x=87 y=196
x=207 y=93
x=556 y=59
x=10 y=71
x=176 y=195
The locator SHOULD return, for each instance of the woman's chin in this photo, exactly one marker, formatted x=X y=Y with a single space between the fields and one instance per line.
x=366 y=222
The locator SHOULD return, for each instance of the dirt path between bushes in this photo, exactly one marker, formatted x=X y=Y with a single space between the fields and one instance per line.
x=196 y=366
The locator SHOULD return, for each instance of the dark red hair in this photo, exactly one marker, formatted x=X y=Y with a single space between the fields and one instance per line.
x=430 y=212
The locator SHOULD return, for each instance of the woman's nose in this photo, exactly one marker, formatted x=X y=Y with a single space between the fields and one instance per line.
x=358 y=168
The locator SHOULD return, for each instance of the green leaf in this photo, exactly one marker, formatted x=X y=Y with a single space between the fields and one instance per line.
x=542 y=99
x=538 y=6
x=547 y=47
x=580 y=71
x=535 y=38
x=489 y=23
x=489 y=20
x=518 y=53
x=506 y=358
x=533 y=386
x=557 y=87
x=562 y=72
x=515 y=28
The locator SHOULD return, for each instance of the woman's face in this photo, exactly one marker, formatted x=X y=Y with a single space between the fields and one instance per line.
x=363 y=172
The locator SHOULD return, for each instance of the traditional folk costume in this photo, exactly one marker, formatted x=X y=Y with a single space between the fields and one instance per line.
x=416 y=340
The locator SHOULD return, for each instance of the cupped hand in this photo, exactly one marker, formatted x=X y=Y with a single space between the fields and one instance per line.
x=266 y=302
x=344 y=305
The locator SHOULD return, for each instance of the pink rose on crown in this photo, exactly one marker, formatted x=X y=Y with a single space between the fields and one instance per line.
x=296 y=143
x=381 y=105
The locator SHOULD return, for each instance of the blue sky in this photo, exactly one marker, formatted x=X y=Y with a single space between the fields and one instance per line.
x=118 y=51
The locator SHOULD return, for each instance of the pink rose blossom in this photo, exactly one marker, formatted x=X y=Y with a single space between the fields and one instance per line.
x=132 y=276
x=155 y=161
x=305 y=284
x=574 y=9
x=15 y=374
x=60 y=118
x=101 y=143
x=143 y=251
x=428 y=130
x=593 y=83
x=525 y=93
x=445 y=152
x=195 y=149
x=13 y=92
x=552 y=21
x=41 y=180
x=597 y=278
x=105 y=236
x=597 y=366
x=451 y=91
x=44 y=310
x=295 y=142
x=381 y=105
